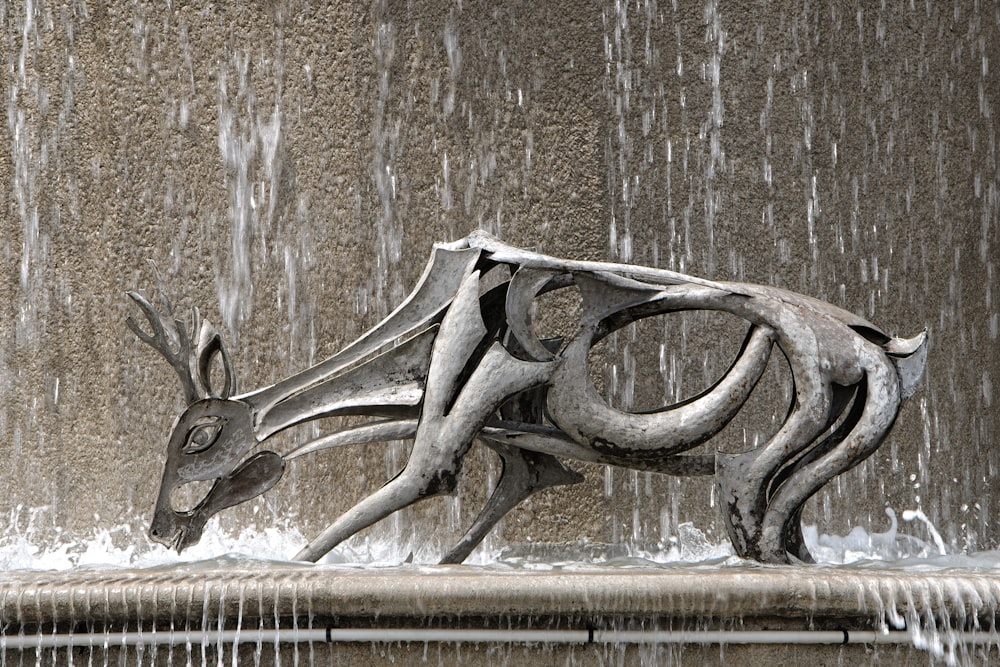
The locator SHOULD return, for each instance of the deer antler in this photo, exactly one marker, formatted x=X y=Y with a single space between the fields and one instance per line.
x=192 y=364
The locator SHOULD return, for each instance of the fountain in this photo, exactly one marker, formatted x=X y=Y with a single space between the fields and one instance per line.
x=257 y=158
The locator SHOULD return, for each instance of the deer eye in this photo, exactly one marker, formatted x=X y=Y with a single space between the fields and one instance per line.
x=203 y=434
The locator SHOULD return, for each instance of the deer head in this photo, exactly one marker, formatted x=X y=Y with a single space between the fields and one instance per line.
x=211 y=437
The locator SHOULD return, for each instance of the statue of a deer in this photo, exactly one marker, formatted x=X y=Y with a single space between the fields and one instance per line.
x=470 y=366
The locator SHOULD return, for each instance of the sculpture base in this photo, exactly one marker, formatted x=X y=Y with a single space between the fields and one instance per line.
x=708 y=615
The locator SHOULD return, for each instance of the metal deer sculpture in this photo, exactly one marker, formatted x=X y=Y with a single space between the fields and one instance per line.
x=470 y=366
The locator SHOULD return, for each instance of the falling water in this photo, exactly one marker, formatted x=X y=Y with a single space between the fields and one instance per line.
x=285 y=168
x=249 y=147
x=811 y=186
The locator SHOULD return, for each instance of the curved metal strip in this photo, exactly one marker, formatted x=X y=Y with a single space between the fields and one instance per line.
x=577 y=408
x=742 y=482
x=383 y=431
x=909 y=356
x=524 y=286
x=539 y=439
x=434 y=291
x=498 y=376
x=611 y=302
x=253 y=477
x=394 y=378
x=524 y=473
x=604 y=295
x=881 y=405
x=502 y=253
x=461 y=332
x=441 y=440
x=847 y=404
x=552 y=441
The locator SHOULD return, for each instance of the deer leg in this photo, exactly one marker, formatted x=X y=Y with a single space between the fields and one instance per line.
x=524 y=473
x=405 y=489
x=744 y=479
x=454 y=410
x=849 y=399
x=881 y=403
x=852 y=397
x=440 y=444
x=795 y=542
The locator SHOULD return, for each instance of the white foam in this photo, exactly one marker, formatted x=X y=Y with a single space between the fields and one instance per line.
x=23 y=548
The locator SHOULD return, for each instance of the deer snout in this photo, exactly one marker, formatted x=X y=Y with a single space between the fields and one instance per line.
x=166 y=529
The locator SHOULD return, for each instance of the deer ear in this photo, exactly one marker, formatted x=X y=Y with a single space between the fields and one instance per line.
x=210 y=346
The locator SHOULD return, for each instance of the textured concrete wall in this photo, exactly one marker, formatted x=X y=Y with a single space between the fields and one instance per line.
x=286 y=166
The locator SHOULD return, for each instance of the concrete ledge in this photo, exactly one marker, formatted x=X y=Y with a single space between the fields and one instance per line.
x=801 y=595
